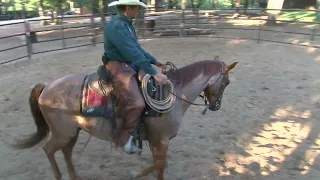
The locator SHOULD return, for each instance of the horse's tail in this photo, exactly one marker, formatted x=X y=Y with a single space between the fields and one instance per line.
x=42 y=126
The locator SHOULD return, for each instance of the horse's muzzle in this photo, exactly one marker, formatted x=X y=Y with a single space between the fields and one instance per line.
x=215 y=106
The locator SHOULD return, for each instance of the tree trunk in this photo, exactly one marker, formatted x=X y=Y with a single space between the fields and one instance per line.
x=232 y=4
x=192 y=5
x=41 y=13
x=184 y=4
x=246 y=4
x=170 y=4
x=272 y=14
x=56 y=12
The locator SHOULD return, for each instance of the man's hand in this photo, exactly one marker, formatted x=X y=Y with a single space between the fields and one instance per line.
x=161 y=78
x=160 y=64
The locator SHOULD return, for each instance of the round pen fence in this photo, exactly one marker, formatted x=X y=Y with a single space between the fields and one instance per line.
x=24 y=38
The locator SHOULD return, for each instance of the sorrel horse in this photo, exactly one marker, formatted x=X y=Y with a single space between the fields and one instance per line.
x=56 y=109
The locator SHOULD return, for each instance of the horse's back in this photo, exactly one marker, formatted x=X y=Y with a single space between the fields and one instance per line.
x=63 y=93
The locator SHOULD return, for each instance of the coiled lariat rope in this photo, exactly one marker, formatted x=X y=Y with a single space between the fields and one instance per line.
x=161 y=106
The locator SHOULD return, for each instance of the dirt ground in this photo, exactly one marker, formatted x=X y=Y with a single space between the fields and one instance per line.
x=268 y=127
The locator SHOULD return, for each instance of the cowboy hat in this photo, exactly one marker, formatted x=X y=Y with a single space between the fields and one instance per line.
x=128 y=2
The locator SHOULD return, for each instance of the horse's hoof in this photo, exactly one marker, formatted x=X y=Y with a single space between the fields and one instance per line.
x=133 y=175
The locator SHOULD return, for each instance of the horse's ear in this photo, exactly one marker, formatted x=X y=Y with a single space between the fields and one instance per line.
x=229 y=67
x=216 y=58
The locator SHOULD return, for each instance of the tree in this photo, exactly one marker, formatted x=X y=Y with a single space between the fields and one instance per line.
x=41 y=13
x=55 y=6
x=196 y=4
x=184 y=4
x=272 y=14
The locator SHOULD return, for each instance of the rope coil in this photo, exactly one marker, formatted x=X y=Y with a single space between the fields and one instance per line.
x=161 y=106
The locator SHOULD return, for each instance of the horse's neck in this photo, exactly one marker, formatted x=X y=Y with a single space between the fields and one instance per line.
x=193 y=89
x=195 y=78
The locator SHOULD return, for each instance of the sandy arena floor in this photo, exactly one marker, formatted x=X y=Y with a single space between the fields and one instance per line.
x=268 y=126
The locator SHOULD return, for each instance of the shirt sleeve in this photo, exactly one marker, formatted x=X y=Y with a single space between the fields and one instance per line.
x=120 y=37
x=152 y=59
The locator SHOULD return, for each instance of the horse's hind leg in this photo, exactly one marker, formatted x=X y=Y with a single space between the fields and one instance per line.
x=67 y=152
x=50 y=148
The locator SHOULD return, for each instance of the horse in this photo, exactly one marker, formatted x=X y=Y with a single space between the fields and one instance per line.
x=56 y=108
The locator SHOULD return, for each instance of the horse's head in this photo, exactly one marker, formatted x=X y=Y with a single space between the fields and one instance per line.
x=216 y=86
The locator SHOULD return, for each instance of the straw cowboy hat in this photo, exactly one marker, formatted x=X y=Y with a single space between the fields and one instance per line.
x=128 y=2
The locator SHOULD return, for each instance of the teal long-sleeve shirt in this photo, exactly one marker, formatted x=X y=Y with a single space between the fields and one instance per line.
x=121 y=44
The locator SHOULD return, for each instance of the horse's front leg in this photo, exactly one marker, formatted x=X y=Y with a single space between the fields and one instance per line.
x=160 y=156
x=159 y=151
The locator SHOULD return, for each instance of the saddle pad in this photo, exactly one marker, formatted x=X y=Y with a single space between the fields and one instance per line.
x=93 y=104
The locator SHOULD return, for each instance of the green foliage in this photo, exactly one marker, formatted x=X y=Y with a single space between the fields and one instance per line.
x=52 y=4
x=298 y=16
x=81 y=3
x=33 y=5
x=206 y=3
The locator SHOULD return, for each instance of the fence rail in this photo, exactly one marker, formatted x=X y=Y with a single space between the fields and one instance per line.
x=173 y=23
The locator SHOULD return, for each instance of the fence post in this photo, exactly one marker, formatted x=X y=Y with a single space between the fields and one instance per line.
x=316 y=25
x=28 y=40
x=62 y=32
x=182 y=23
x=259 y=32
x=197 y=22
x=93 y=24
x=198 y=16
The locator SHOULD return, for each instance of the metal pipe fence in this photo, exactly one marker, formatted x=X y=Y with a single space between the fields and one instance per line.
x=162 y=23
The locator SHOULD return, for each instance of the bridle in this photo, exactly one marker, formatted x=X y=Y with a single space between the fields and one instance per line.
x=204 y=97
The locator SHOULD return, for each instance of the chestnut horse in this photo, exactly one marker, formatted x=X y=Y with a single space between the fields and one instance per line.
x=56 y=109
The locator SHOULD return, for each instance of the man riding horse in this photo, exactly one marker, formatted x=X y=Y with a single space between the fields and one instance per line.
x=124 y=57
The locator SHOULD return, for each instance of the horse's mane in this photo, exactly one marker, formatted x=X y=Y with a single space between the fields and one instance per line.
x=186 y=73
